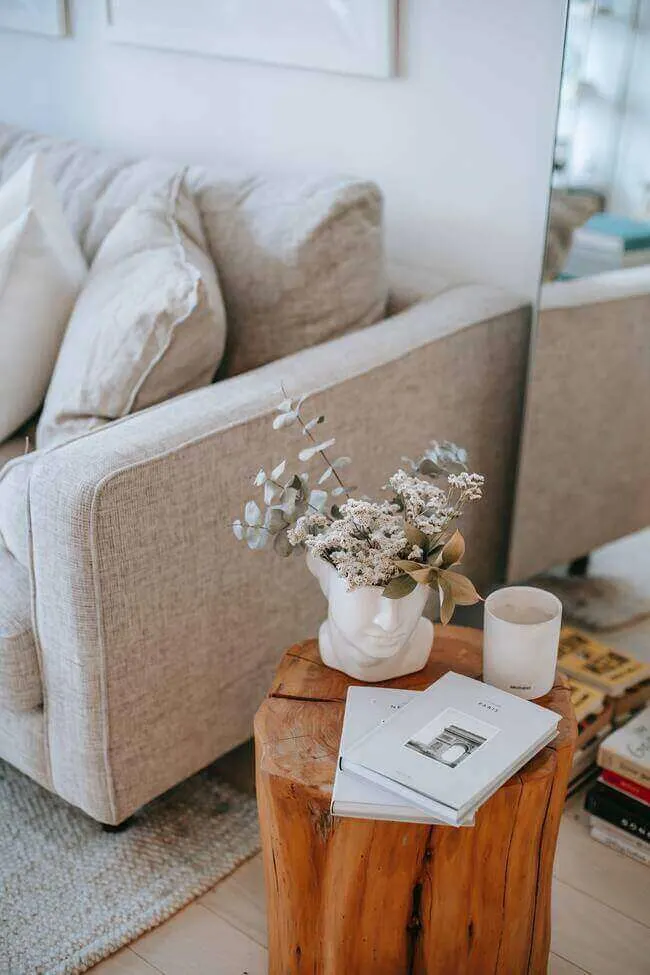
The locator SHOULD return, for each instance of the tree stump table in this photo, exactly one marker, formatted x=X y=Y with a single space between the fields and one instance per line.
x=364 y=897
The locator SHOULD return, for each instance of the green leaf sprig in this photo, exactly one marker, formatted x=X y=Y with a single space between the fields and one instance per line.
x=435 y=570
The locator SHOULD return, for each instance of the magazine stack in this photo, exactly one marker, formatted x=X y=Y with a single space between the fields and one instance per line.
x=433 y=756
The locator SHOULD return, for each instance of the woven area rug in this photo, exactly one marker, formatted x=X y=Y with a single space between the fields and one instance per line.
x=71 y=894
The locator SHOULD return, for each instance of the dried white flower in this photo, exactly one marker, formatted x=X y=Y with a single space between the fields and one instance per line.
x=306 y=526
x=363 y=543
x=470 y=485
x=425 y=505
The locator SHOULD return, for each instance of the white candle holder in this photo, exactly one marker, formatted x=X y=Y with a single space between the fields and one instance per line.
x=520 y=642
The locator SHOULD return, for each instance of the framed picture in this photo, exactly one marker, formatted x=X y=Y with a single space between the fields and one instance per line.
x=35 y=16
x=346 y=36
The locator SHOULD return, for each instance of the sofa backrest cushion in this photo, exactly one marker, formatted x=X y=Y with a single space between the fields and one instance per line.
x=148 y=325
x=41 y=273
x=299 y=259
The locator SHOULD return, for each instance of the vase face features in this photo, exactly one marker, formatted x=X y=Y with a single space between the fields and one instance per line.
x=369 y=636
x=375 y=626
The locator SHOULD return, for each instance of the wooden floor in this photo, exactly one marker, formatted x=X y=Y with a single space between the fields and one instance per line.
x=601 y=899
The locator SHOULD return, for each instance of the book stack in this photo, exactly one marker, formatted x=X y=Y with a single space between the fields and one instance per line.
x=593 y=713
x=433 y=756
x=619 y=803
x=607 y=687
x=607 y=242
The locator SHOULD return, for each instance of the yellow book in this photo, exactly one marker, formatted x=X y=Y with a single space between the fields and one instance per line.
x=585 y=699
x=610 y=671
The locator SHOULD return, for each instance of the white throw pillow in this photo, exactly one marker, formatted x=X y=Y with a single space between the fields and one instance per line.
x=148 y=325
x=41 y=272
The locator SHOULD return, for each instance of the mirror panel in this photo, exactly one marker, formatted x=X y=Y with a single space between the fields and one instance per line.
x=599 y=217
x=584 y=464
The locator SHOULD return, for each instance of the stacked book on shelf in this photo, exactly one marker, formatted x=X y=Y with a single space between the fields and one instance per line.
x=607 y=242
x=619 y=802
x=607 y=688
x=594 y=718
x=433 y=756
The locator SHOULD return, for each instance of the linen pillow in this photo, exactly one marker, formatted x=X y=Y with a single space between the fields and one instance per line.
x=41 y=273
x=301 y=261
x=149 y=324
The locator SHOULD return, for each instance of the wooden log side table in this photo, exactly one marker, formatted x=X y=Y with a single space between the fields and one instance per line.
x=363 y=897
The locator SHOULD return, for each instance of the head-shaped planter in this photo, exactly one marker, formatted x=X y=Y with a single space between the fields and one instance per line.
x=367 y=635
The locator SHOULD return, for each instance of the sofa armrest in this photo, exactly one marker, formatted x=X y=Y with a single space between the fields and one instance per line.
x=629 y=282
x=585 y=454
x=158 y=633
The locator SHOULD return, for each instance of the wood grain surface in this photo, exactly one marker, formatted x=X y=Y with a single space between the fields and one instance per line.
x=349 y=896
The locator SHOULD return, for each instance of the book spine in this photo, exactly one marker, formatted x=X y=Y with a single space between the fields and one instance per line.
x=621 y=814
x=580 y=781
x=593 y=737
x=445 y=814
x=619 y=845
x=624 y=766
x=628 y=786
x=636 y=258
x=618 y=834
x=598 y=241
x=610 y=688
x=634 y=699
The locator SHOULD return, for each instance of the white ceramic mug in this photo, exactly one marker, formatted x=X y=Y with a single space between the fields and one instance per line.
x=520 y=641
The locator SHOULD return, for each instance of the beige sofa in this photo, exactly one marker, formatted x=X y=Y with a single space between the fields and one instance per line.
x=584 y=476
x=139 y=640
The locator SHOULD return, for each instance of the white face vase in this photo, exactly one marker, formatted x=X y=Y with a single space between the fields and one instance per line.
x=368 y=636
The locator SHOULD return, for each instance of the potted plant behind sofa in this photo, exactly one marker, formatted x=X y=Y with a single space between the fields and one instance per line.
x=376 y=561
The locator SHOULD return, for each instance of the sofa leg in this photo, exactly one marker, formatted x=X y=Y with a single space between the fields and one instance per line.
x=108 y=828
x=579 y=567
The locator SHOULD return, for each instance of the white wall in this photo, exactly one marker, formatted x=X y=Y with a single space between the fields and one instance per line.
x=461 y=143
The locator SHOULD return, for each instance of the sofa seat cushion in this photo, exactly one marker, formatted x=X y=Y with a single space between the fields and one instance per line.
x=20 y=677
x=10 y=449
x=14 y=501
x=17 y=445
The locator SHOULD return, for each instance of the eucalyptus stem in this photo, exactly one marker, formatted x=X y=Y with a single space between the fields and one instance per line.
x=322 y=453
x=313 y=507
